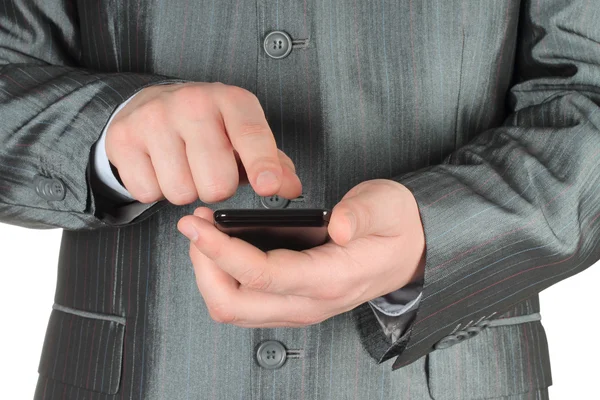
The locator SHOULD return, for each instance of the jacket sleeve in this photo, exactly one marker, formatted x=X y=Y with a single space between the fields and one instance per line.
x=52 y=112
x=518 y=208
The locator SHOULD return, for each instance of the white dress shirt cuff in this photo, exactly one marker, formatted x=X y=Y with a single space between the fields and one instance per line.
x=400 y=301
x=101 y=166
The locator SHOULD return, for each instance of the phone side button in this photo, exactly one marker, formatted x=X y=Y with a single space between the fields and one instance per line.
x=274 y=201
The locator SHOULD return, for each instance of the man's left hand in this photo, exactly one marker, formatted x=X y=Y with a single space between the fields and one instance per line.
x=377 y=246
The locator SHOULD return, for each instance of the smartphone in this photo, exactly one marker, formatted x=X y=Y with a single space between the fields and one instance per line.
x=295 y=229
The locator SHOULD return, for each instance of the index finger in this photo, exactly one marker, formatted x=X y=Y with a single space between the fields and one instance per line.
x=251 y=137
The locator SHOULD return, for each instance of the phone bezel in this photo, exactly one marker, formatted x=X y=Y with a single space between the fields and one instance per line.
x=248 y=217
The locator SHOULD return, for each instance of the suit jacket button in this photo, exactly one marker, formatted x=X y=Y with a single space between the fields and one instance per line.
x=271 y=354
x=56 y=189
x=274 y=201
x=277 y=44
x=484 y=324
x=462 y=335
x=473 y=330
x=39 y=185
x=49 y=188
x=446 y=342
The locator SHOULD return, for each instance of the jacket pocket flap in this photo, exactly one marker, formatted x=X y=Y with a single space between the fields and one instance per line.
x=83 y=349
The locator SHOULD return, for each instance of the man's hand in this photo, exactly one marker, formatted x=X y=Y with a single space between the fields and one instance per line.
x=377 y=247
x=197 y=140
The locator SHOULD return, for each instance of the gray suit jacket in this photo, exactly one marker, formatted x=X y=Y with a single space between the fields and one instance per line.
x=487 y=111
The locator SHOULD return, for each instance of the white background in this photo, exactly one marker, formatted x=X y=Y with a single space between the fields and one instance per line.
x=28 y=277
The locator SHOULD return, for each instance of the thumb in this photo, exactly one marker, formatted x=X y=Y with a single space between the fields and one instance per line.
x=371 y=208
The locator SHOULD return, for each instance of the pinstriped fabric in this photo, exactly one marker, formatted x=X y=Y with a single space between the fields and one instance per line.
x=413 y=91
x=544 y=228
x=529 y=306
x=522 y=347
x=54 y=113
x=87 y=343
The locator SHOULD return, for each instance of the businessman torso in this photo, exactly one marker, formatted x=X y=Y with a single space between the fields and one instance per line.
x=369 y=90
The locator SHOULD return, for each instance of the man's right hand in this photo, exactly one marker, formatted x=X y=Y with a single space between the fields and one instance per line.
x=197 y=140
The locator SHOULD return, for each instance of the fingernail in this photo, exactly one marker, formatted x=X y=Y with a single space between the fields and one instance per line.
x=190 y=232
x=266 y=178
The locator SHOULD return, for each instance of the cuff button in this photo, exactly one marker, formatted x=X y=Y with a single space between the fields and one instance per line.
x=51 y=189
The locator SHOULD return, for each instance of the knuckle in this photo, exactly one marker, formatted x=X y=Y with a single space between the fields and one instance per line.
x=182 y=195
x=307 y=319
x=253 y=129
x=120 y=142
x=215 y=192
x=193 y=98
x=221 y=312
x=188 y=91
x=237 y=93
x=284 y=158
x=180 y=199
x=154 y=112
x=362 y=213
x=332 y=292
x=218 y=87
x=146 y=197
x=332 y=284
x=257 y=280
x=264 y=163
x=118 y=132
x=143 y=194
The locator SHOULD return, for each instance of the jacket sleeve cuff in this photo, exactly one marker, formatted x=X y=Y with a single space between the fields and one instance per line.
x=413 y=334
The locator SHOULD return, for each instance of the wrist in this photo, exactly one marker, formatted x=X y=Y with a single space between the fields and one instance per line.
x=420 y=271
x=419 y=239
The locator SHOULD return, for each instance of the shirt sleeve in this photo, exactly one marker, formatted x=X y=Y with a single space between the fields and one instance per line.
x=400 y=301
x=101 y=168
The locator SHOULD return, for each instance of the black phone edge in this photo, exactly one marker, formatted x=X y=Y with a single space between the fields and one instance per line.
x=243 y=217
